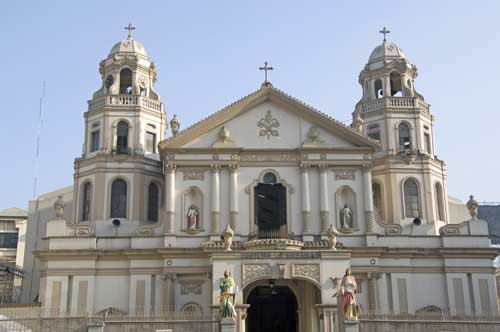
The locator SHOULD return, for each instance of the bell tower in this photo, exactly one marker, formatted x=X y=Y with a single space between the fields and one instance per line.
x=124 y=122
x=409 y=181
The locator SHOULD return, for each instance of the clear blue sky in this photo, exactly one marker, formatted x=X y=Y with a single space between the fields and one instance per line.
x=208 y=52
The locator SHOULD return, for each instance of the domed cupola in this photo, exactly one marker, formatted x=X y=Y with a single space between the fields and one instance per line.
x=129 y=45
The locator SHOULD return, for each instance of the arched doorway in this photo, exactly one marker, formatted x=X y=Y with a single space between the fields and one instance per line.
x=272 y=309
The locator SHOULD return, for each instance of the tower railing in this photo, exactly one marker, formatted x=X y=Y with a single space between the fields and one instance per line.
x=392 y=102
x=125 y=101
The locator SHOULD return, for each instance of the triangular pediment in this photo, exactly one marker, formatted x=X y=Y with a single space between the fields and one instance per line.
x=268 y=118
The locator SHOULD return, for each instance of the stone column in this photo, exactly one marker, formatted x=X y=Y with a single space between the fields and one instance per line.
x=323 y=196
x=168 y=292
x=387 y=86
x=170 y=198
x=215 y=201
x=233 y=198
x=306 y=200
x=368 y=198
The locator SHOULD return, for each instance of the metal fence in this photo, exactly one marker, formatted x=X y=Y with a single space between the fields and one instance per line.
x=37 y=319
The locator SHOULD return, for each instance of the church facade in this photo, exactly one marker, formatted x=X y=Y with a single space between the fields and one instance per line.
x=280 y=195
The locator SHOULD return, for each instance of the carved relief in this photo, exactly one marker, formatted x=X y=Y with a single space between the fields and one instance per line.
x=268 y=124
x=344 y=174
x=191 y=287
x=309 y=271
x=193 y=174
x=269 y=157
x=83 y=231
x=255 y=271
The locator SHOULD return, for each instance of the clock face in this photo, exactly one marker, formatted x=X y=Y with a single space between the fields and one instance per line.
x=109 y=81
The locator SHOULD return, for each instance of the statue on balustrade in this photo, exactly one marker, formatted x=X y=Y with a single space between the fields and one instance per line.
x=348 y=289
x=346 y=217
x=227 y=296
x=192 y=217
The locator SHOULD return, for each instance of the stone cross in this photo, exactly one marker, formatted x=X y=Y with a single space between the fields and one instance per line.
x=266 y=68
x=130 y=27
x=384 y=31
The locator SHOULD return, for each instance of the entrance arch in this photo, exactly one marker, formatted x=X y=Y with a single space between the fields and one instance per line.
x=272 y=309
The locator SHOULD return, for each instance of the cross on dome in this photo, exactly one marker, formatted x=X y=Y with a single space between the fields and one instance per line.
x=384 y=31
x=266 y=68
x=130 y=27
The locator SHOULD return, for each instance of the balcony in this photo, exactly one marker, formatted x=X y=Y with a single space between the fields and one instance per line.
x=402 y=103
x=126 y=101
x=123 y=150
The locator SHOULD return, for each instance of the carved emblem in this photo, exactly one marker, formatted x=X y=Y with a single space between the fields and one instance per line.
x=269 y=157
x=191 y=287
x=309 y=271
x=268 y=124
x=193 y=174
x=344 y=174
x=83 y=231
x=255 y=271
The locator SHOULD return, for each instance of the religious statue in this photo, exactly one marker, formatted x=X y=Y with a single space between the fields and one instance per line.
x=348 y=288
x=175 y=124
x=227 y=235
x=227 y=296
x=59 y=208
x=332 y=234
x=224 y=134
x=472 y=205
x=192 y=217
x=346 y=217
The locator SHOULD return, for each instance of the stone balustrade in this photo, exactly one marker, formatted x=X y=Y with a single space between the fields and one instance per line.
x=125 y=101
x=393 y=103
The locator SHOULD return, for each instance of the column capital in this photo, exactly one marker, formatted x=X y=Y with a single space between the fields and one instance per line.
x=323 y=167
x=304 y=167
x=233 y=168
x=215 y=168
x=169 y=168
x=170 y=277
x=367 y=166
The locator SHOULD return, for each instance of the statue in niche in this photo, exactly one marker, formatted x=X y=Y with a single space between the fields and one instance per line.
x=227 y=296
x=192 y=217
x=348 y=288
x=346 y=217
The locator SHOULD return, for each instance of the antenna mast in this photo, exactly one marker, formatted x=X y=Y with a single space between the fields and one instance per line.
x=37 y=146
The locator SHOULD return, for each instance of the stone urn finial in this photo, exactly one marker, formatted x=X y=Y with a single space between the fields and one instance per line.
x=59 y=207
x=332 y=234
x=472 y=205
x=175 y=124
x=228 y=235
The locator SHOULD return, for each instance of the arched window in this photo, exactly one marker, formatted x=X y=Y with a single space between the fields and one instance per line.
x=404 y=138
x=118 y=199
x=395 y=79
x=125 y=81
x=153 y=202
x=377 y=199
x=269 y=178
x=379 y=91
x=439 y=201
x=86 y=198
x=122 y=138
x=412 y=203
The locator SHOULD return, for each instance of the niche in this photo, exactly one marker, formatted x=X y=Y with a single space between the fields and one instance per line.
x=192 y=211
x=345 y=201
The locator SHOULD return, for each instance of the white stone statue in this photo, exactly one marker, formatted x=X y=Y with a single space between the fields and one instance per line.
x=59 y=208
x=224 y=134
x=332 y=234
x=472 y=205
x=192 y=217
x=175 y=124
x=227 y=235
x=346 y=217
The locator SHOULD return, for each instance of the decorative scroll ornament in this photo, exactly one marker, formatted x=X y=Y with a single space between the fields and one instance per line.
x=191 y=287
x=309 y=271
x=84 y=231
x=253 y=272
x=268 y=124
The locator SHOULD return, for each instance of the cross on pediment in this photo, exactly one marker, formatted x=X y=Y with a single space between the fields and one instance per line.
x=266 y=68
